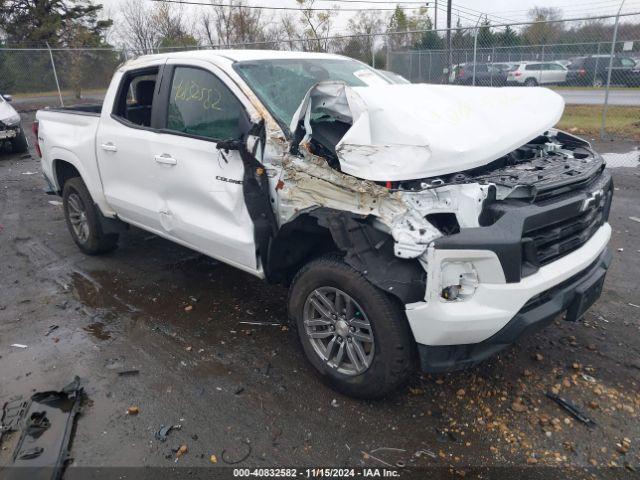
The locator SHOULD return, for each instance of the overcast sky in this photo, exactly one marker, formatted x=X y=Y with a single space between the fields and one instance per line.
x=499 y=11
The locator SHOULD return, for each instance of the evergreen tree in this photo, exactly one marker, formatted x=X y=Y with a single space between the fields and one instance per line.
x=54 y=21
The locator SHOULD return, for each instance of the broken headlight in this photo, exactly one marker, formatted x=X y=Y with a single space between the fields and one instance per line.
x=459 y=280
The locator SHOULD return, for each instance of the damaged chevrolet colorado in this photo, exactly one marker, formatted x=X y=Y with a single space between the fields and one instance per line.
x=424 y=225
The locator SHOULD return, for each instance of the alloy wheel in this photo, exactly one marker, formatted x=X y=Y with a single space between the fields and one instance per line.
x=339 y=330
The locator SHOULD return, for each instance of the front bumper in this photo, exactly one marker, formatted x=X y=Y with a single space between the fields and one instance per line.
x=440 y=326
x=572 y=296
x=9 y=133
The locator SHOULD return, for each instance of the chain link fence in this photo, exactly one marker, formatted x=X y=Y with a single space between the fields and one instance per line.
x=594 y=63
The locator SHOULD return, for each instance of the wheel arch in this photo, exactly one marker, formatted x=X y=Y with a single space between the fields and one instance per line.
x=365 y=248
x=63 y=170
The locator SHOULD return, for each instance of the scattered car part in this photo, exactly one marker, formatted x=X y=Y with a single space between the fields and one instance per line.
x=47 y=423
x=572 y=409
x=164 y=431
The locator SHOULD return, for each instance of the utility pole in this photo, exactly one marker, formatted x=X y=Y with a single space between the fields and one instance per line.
x=606 y=91
x=449 y=53
x=435 y=16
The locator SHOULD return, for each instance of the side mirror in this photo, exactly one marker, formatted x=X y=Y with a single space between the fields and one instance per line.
x=230 y=144
x=8 y=98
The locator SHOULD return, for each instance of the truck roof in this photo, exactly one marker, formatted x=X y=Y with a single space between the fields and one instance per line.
x=235 y=55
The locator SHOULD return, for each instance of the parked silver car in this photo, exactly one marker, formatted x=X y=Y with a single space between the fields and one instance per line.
x=532 y=74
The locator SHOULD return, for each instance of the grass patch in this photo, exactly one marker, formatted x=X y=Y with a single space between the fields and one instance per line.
x=585 y=120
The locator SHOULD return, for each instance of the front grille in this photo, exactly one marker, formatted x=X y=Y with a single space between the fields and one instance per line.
x=551 y=242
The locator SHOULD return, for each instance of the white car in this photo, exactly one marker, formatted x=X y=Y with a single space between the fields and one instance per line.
x=412 y=223
x=10 y=127
x=532 y=74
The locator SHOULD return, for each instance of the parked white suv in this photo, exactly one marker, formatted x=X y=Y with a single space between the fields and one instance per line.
x=413 y=223
x=532 y=74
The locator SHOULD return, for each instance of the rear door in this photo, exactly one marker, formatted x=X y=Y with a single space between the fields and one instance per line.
x=200 y=187
x=534 y=70
x=122 y=149
x=555 y=73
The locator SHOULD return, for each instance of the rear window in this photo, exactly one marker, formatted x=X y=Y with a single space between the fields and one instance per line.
x=576 y=64
x=533 y=66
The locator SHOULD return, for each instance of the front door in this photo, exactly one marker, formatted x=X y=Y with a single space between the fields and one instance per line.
x=201 y=196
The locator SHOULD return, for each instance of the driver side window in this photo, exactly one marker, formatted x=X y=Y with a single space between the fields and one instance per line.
x=201 y=105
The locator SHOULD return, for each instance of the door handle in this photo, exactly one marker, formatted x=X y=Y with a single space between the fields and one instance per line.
x=165 y=159
x=109 y=147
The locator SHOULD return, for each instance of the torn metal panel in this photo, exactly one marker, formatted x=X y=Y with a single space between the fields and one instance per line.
x=309 y=182
x=46 y=424
x=371 y=252
x=404 y=132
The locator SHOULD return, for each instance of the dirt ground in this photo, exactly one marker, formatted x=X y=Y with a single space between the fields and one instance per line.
x=238 y=388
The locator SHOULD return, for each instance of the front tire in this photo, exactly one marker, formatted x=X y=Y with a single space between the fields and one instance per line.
x=82 y=219
x=355 y=335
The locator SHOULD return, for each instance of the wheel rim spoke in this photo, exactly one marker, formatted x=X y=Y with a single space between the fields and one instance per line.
x=320 y=306
x=317 y=322
x=325 y=302
x=339 y=355
x=362 y=357
x=359 y=323
x=78 y=217
x=330 y=347
x=320 y=334
x=353 y=356
x=361 y=336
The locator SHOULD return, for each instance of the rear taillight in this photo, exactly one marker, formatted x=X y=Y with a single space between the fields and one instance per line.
x=460 y=73
x=517 y=74
x=582 y=72
x=35 y=128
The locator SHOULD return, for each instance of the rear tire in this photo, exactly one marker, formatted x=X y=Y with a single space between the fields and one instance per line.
x=383 y=362
x=83 y=221
x=531 y=82
x=20 y=143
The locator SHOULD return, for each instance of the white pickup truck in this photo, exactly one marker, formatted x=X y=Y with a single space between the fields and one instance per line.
x=414 y=224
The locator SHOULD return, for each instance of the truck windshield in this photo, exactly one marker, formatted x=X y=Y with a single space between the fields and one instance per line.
x=282 y=84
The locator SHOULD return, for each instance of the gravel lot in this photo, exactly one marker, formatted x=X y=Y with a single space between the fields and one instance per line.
x=177 y=317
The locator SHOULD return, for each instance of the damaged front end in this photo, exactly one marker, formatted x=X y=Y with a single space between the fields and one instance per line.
x=388 y=189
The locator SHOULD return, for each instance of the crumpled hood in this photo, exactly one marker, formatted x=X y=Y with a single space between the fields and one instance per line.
x=405 y=132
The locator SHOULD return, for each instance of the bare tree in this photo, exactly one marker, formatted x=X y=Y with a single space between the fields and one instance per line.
x=317 y=25
x=234 y=24
x=289 y=33
x=365 y=25
x=546 y=29
x=137 y=28
x=171 y=26
x=144 y=28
